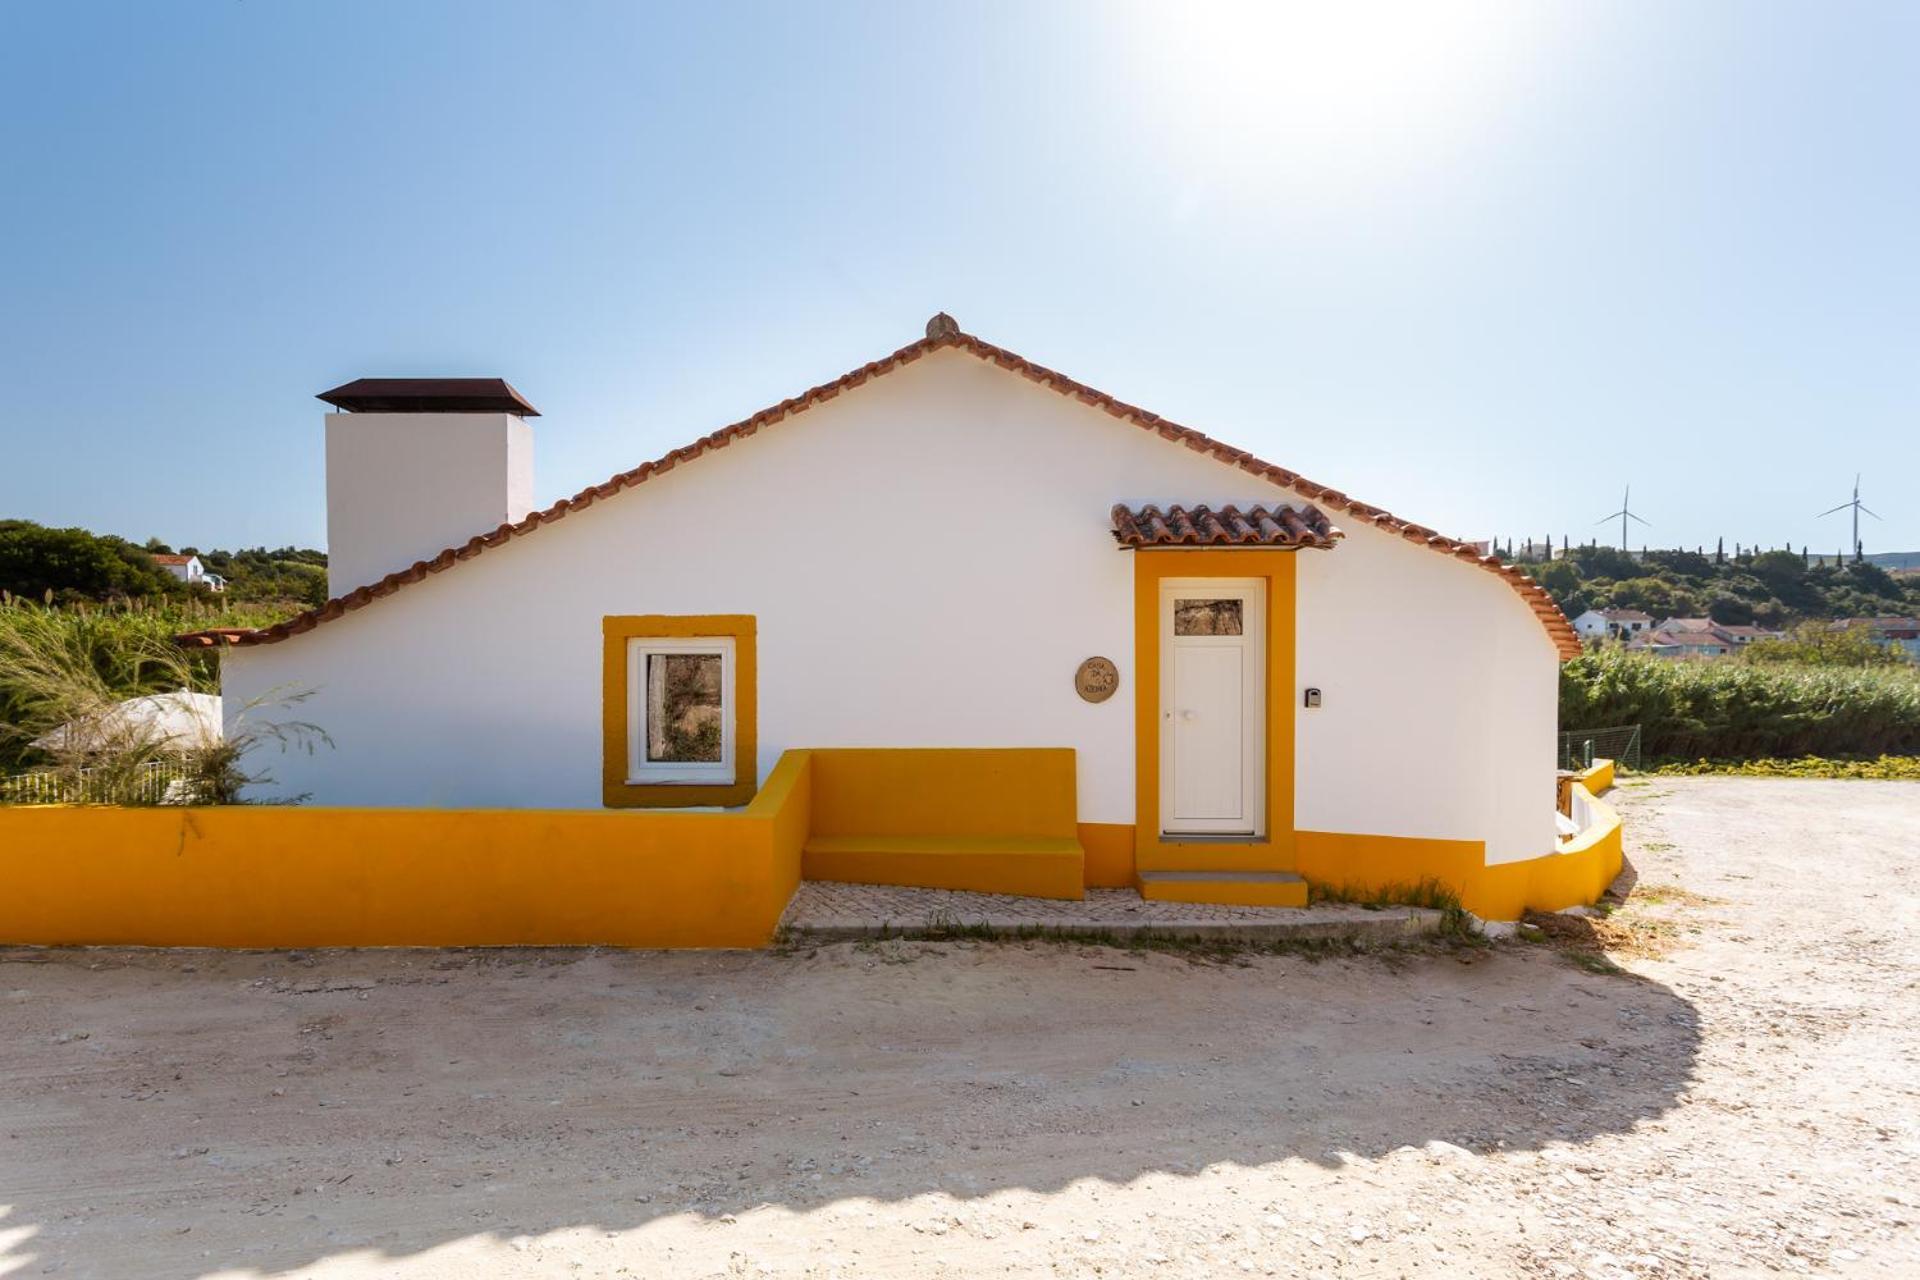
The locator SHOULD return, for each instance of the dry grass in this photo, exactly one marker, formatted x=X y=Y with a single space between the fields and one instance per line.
x=1648 y=924
x=1663 y=895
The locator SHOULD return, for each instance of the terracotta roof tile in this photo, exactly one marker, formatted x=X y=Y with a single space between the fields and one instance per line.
x=1202 y=526
x=939 y=337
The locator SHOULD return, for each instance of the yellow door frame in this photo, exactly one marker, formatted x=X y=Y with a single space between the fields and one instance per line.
x=1152 y=850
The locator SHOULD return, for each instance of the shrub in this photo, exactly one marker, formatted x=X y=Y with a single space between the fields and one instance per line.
x=1818 y=644
x=1885 y=769
x=1743 y=711
x=75 y=667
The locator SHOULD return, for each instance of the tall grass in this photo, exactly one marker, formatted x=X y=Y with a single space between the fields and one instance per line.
x=1745 y=711
x=74 y=663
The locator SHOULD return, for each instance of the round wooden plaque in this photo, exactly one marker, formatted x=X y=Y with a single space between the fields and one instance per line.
x=1096 y=679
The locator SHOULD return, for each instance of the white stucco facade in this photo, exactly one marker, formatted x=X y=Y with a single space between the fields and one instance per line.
x=928 y=558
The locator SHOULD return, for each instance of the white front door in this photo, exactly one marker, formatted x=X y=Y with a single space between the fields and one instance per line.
x=1213 y=699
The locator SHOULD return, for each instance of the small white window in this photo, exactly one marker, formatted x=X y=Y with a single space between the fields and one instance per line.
x=680 y=710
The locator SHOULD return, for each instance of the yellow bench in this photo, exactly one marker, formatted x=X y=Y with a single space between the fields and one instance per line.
x=992 y=820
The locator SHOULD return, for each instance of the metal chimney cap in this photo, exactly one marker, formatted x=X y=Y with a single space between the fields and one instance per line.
x=429 y=395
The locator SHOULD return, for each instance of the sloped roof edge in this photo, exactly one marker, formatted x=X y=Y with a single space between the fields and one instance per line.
x=940 y=335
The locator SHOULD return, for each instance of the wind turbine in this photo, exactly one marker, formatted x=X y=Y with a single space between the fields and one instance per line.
x=1858 y=506
x=1624 y=514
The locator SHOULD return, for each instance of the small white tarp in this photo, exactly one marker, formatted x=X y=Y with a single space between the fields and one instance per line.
x=182 y=721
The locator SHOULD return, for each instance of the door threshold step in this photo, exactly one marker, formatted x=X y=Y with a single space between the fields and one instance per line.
x=1255 y=877
x=1225 y=888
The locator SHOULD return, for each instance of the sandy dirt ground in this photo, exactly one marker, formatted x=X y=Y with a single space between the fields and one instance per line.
x=1743 y=1099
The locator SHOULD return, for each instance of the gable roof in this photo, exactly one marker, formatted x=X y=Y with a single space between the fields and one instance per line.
x=942 y=333
x=160 y=559
x=1682 y=640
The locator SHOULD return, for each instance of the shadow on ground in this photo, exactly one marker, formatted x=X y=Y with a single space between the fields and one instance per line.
x=168 y=1115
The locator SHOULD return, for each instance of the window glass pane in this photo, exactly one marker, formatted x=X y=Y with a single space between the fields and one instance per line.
x=1206 y=618
x=683 y=708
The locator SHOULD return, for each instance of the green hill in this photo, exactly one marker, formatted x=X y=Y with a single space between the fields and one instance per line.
x=76 y=565
x=1771 y=588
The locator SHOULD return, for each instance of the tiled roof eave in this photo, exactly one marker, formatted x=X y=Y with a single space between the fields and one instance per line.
x=1558 y=629
x=1282 y=528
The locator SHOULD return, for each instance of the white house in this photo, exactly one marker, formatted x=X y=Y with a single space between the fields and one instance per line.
x=950 y=547
x=186 y=568
x=1618 y=624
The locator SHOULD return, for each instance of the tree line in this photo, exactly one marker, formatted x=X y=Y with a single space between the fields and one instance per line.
x=1765 y=588
x=73 y=565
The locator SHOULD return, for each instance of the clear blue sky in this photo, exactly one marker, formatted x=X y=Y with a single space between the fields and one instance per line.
x=1483 y=268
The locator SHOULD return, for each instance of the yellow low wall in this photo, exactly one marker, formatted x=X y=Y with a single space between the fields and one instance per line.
x=289 y=877
x=292 y=877
x=1109 y=860
x=1575 y=875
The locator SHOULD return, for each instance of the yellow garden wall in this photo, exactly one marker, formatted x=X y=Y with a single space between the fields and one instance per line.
x=287 y=877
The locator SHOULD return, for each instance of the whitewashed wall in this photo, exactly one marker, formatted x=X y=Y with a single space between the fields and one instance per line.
x=929 y=560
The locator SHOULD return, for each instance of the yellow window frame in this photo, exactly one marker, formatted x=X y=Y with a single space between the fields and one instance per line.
x=616 y=792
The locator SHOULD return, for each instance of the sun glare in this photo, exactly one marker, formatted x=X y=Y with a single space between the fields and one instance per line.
x=1360 y=86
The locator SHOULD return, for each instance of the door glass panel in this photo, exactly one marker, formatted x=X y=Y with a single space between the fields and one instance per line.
x=683 y=708
x=1207 y=617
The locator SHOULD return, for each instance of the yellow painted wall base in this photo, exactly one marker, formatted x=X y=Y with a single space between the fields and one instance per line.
x=1576 y=874
x=1109 y=854
x=1164 y=854
x=287 y=877
x=1362 y=864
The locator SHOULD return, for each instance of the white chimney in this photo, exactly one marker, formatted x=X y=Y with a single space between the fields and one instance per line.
x=417 y=465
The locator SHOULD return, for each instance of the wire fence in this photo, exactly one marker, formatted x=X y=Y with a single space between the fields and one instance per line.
x=1579 y=748
x=155 y=782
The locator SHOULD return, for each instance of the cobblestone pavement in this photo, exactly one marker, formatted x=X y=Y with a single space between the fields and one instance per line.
x=835 y=909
